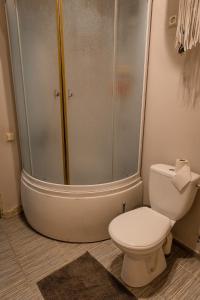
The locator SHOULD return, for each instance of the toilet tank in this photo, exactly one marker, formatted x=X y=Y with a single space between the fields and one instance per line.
x=163 y=195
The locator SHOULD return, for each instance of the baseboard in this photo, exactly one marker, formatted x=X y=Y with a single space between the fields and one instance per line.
x=192 y=251
x=11 y=213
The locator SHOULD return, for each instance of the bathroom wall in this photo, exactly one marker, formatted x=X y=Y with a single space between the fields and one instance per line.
x=9 y=154
x=172 y=124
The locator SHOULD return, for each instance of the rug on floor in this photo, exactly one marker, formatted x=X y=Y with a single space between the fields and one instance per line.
x=83 y=279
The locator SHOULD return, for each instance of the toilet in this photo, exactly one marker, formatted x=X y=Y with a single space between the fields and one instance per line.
x=144 y=234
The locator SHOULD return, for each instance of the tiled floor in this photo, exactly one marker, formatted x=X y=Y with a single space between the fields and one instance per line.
x=26 y=257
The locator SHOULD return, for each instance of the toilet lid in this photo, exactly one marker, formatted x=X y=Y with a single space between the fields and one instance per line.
x=140 y=228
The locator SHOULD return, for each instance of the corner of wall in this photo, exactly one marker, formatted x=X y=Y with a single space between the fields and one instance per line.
x=9 y=150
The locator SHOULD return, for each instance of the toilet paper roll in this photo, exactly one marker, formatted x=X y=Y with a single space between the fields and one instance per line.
x=180 y=162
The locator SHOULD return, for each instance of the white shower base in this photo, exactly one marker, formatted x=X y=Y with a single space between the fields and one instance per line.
x=77 y=213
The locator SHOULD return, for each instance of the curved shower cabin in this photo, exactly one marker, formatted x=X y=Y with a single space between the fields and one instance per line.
x=79 y=71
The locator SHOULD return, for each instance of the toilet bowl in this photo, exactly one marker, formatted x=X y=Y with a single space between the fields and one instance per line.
x=144 y=234
x=141 y=235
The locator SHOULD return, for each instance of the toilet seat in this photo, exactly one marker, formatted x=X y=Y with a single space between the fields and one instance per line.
x=140 y=229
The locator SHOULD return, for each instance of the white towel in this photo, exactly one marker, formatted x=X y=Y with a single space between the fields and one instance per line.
x=182 y=174
x=188 y=27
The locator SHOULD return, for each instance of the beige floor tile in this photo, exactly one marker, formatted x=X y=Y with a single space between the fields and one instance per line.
x=38 y=259
x=4 y=245
x=71 y=251
x=20 y=291
x=14 y=224
x=168 y=284
x=115 y=265
x=190 y=291
x=11 y=275
x=26 y=257
x=192 y=264
x=106 y=252
x=2 y=235
x=38 y=256
x=146 y=293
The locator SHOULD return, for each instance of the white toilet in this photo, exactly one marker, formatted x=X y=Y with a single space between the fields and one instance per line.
x=144 y=234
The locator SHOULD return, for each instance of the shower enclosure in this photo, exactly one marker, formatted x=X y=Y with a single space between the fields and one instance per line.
x=79 y=72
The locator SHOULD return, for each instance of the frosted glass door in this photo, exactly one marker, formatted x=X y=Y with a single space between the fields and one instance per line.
x=39 y=49
x=89 y=47
x=130 y=57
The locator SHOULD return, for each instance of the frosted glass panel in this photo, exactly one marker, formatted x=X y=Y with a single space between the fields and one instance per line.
x=18 y=85
x=130 y=44
x=38 y=33
x=89 y=46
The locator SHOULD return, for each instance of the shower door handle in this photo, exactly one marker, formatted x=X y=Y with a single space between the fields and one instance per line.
x=70 y=94
x=56 y=93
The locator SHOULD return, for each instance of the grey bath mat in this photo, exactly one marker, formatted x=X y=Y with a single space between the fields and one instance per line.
x=83 y=279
